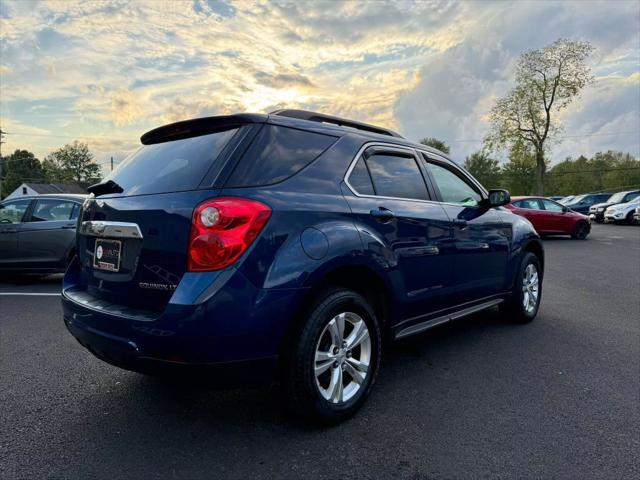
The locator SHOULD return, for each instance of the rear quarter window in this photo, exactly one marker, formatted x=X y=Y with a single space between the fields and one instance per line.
x=173 y=166
x=276 y=154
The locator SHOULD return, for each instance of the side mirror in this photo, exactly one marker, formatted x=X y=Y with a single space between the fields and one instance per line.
x=565 y=209
x=498 y=197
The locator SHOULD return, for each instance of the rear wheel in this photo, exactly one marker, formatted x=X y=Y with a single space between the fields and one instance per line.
x=580 y=231
x=523 y=305
x=335 y=358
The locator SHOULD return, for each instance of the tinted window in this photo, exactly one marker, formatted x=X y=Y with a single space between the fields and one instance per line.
x=395 y=176
x=453 y=189
x=360 y=179
x=630 y=196
x=12 y=212
x=277 y=153
x=51 y=209
x=170 y=166
x=529 y=203
x=551 y=206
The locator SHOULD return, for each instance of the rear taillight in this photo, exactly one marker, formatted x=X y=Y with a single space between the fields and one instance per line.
x=222 y=229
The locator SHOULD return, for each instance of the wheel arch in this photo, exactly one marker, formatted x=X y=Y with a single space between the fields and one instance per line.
x=359 y=277
x=535 y=246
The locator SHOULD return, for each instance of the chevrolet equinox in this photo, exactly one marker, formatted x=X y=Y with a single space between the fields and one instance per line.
x=289 y=247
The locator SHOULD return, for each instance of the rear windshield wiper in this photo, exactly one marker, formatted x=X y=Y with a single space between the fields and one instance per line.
x=106 y=187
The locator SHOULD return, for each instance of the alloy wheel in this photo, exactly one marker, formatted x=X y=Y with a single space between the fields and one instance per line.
x=342 y=357
x=530 y=288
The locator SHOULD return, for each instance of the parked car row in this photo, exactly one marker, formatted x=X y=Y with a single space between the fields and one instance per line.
x=573 y=215
x=605 y=207
x=613 y=212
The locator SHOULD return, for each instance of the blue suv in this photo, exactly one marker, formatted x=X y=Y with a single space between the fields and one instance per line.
x=289 y=247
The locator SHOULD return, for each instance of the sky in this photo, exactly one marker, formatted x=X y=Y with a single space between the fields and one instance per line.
x=105 y=72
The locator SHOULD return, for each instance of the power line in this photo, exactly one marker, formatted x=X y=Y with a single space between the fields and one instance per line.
x=635 y=132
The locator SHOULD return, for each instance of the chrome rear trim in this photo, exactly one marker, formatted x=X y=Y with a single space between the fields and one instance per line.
x=110 y=229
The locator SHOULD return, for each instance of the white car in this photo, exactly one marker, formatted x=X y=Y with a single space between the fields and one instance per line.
x=622 y=212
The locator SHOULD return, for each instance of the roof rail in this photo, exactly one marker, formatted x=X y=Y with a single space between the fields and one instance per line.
x=343 y=122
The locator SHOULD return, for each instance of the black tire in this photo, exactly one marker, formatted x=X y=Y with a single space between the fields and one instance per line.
x=513 y=309
x=580 y=231
x=300 y=386
x=629 y=218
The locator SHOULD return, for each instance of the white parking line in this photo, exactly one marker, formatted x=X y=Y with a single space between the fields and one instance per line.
x=29 y=294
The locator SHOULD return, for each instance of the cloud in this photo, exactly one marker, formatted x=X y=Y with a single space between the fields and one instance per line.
x=459 y=85
x=114 y=69
x=124 y=107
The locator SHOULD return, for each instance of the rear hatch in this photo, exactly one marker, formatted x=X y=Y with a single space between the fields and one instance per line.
x=133 y=236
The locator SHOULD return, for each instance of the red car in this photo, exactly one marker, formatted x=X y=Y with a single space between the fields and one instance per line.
x=552 y=218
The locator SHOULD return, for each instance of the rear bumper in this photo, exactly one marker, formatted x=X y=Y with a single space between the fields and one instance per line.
x=232 y=325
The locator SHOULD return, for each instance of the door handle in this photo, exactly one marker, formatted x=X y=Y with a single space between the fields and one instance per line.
x=67 y=227
x=460 y=222
x=12 y=230
x=382 y=214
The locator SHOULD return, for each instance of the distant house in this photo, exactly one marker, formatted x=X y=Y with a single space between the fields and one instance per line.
x=40 y=188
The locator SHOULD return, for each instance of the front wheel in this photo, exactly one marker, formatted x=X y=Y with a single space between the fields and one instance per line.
x=335 y=358
x=580 y=231
x=629 y=218
x=523 y=305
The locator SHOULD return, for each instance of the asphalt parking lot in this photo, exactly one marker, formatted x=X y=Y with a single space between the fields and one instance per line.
x=558 y=398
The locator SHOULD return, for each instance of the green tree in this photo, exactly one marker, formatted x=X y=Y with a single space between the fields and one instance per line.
x=608 y=171
x=484 y=168
x=55 y=171
x=547 y=81
x=519 y=172
x=73 y=162
x=435 y=143
x=20 y=167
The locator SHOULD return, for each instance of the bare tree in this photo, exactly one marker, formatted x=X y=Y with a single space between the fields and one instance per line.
x=547 y=80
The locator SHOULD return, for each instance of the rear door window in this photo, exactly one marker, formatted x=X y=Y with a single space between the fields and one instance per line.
x=51 y=210
x=173 y=166
x=276 y=154
x=397 y=176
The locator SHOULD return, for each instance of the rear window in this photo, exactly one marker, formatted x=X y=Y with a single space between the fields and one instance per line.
x=276 y=154
x=170 y=166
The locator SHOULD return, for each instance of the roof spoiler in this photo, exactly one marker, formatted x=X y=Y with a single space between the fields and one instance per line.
x=343 y=122
x=198 y=126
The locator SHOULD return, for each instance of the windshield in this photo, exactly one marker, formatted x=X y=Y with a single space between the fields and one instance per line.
x=617 y=197
x=575 y=199
x=566 y=200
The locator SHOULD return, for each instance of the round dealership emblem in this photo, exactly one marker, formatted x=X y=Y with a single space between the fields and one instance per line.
x=99 y=252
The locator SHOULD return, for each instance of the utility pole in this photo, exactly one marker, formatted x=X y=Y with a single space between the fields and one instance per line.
x=2 y=134
x=112 y=164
